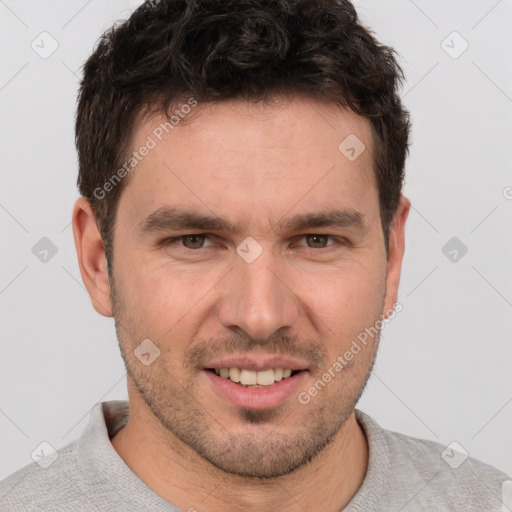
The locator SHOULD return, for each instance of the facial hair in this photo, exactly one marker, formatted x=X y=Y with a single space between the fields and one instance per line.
x=267 y=443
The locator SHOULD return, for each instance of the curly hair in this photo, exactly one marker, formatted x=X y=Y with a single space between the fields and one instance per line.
x=215 y=50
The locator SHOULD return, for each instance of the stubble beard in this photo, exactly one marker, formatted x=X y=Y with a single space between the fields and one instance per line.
x=260 y=449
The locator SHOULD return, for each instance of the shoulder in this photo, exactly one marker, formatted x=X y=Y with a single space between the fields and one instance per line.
x=51 y=484
x=429 y=473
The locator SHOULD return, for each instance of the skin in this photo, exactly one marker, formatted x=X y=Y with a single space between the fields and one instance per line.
x=303 y=297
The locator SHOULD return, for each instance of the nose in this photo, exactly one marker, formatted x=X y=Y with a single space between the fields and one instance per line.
x=257 y=299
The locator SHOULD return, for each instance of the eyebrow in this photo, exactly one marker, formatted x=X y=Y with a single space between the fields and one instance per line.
x=178 y=219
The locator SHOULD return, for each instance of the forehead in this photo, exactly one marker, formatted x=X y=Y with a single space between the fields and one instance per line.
x=237 y=155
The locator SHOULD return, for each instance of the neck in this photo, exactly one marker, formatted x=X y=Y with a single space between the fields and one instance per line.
x=180 y=476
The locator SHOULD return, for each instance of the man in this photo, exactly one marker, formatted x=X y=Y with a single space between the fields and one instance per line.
x=242 y=219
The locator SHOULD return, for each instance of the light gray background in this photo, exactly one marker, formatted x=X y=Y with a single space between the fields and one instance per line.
x=444 y=367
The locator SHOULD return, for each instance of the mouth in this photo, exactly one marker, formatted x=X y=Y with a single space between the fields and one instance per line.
x=248 y=388
x=254 y=379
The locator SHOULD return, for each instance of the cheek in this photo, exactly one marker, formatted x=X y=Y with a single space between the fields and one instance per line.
x=162 y=299
x=345 y=301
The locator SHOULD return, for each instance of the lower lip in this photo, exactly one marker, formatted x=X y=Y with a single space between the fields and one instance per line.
x=256 y=398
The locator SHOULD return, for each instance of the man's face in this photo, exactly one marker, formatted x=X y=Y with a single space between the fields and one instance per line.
x=293 y=296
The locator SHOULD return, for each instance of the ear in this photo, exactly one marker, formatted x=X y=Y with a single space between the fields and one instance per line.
x=396 y=253
x=91 y=256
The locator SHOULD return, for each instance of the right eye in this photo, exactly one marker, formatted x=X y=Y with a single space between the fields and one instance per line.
x=192 y=242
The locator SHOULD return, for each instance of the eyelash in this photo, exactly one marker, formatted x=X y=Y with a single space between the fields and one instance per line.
x=337 y=240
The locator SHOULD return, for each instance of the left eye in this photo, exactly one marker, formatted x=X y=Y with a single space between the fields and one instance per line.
x=317 y=241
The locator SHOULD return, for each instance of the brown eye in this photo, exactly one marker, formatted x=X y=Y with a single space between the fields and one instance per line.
x=317 y=241
x=193 y=241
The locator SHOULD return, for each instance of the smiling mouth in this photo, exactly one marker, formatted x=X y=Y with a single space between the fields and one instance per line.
x=252 y=378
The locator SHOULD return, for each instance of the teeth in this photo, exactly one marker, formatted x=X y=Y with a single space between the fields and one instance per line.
x=252 y=377
x=265 y=377
x=248 y=377
x=234 y=374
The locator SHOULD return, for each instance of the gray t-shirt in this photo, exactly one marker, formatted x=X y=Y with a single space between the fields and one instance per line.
x=404 y=474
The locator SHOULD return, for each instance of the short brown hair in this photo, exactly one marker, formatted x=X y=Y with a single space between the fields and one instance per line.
x=215 y=50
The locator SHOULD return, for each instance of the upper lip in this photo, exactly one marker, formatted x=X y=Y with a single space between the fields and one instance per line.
x=263 y=362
